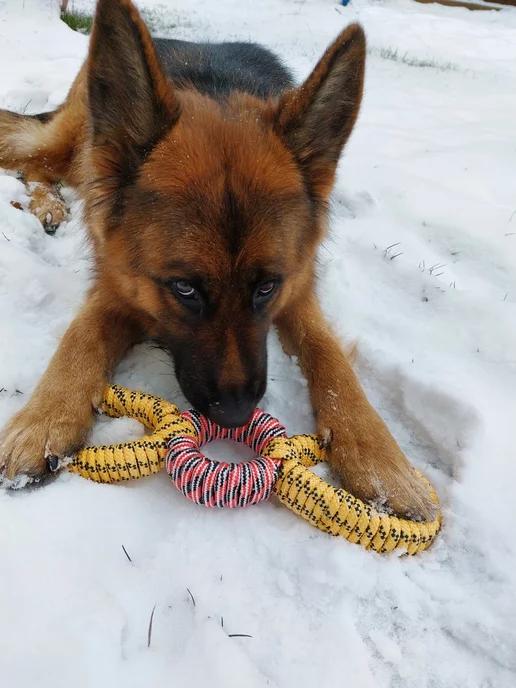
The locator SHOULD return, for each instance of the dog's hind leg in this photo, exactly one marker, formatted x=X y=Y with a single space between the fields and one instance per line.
x=44 y=149
x=46 y=202
x=29 y=145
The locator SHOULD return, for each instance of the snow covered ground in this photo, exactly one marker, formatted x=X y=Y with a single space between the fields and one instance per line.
x=420 y=269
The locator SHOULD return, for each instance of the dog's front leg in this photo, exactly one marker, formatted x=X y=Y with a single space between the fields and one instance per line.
x=55 y=421
x=361 y=451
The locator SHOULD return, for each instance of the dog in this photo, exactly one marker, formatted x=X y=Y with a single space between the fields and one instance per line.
x=206 y=175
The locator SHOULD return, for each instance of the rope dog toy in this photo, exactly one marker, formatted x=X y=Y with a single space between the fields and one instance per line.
x=282 y=467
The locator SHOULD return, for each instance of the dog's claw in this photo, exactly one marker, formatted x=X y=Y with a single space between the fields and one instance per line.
x=50 y=229
x=49 y=225
x=326 y=435
x=53 y=463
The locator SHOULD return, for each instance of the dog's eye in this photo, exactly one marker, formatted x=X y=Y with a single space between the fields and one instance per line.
x=187 y=294
x=184 y=289
x=264 y=292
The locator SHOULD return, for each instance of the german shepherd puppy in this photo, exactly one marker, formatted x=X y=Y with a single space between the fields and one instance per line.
x=206 y=176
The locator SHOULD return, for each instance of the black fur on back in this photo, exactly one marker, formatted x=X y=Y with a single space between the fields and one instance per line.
x=216 y=69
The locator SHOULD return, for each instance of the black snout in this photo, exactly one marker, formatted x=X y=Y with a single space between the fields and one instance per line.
x=225 y=387
x=234 y=408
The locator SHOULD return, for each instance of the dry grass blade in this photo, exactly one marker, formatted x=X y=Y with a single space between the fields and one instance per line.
x=192 y=597
x=149 y=630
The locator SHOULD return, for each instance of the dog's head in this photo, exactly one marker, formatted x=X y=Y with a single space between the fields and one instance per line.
x=211 y=212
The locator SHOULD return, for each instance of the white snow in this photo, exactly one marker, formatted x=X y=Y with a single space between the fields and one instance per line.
x=429 y=175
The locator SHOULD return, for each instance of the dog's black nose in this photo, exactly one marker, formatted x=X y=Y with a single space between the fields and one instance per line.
x=232 y=409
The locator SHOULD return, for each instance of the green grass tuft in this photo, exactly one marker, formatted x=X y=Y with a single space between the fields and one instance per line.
x=157 y=20
x=78 y=21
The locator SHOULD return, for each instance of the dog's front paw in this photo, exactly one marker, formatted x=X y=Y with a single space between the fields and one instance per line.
x=40 y=437
x=373 y=468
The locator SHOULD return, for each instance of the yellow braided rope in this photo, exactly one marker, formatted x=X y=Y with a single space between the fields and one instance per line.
x=330 y=509
x=131 y=460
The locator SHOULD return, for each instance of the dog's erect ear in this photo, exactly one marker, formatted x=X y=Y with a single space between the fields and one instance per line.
x=316 y=119
x=131 y=102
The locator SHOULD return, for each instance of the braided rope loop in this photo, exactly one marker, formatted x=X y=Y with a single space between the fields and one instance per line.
x=282 y=466
x=220 y=483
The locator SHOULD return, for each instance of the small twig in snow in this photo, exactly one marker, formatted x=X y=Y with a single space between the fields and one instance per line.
x=239 y=635
x=433 y=268
x=149 y=631
x=126 y=554
x=400 y=253
x=193 y=598
x=388 y=248
x=222 y=621
x=5 y=237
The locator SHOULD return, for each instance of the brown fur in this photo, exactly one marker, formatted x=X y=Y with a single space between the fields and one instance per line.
x=226 y=195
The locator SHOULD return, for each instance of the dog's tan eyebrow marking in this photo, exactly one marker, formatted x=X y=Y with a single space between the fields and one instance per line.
x=174 y=265
x=180 y=270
